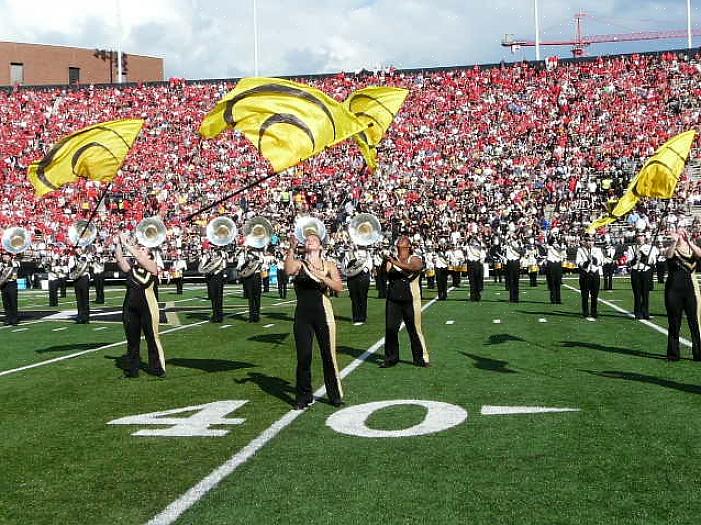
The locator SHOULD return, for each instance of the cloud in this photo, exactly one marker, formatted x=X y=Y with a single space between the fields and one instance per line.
x=213 y=38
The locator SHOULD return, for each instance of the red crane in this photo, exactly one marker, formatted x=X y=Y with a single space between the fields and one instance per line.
x=581 y=41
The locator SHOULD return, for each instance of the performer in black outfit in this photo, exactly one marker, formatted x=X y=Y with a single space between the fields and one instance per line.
x=8 y=288
x=556 y=253
x=440 y=261
x=79 y=265
x=140 y=310
x=53 y=277
x=98 y=273
x=249 y=265
x=643 y=258
x=356 y=266
x=590 y=260
x=681 y=293
x=212 y=266
x=475 y=268
x=609 y=265
x=313 y=278
x=282 y=278
x=513 y=252
x=380 y=275
x=404 y=304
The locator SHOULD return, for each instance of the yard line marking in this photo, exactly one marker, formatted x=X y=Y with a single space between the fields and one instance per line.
x=99 y=328
x=59 y=329
x=269 y=325
x=490 y=410
x=19 y=330
x=92 y=350
x=655 y=327
x=542 y=320
x=358 y=324
x=224 y=326
x=450 y=322
x=173 y=511
x=496 y=321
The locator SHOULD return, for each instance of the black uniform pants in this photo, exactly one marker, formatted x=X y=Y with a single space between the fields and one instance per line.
x=358 y=287
x=310 y=323
x=137 y=318
x=178 y=285
x=431 y=280
x=395 y=313
x=681 y=299
x=82 y=298
x=252 y=291
x=381 y=285
x=475 y=275
x=266 y=282
x=608 y=276
x=442 y=283
x=9 y=302
x=62 y=284
x=282 y=281
x=53 y=292
x=589 y=284
x=455 y=275
x=640 y=282
x=498 y=272
x=216 y=295
x=553 y=275
x=513 y=270
x=99 y=279
x=661 y=268
x=533 y=276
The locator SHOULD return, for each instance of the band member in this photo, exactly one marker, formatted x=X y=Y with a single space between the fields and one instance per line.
x=62 y=271
x=430 y=265
x=140 y=310
x=476 y=256
x=98 y=273
x=268 y=262
x=681 y=293
x=404 y=304
x=530 y=262
x=282 y=278
x=357 y=265
x=661 y=266
x=250 y=262
x=556 y=254
x=313 y=278
x=609 y=265
x=441 y=264
x=212 y=265
x=380 y=275
x=513 y=252
x=9 y=270
x=496 y=258
x=178 y=271
x=78 y=266
x=642 y=257
x=590 y=260
x=52 y=272
x=456 y=258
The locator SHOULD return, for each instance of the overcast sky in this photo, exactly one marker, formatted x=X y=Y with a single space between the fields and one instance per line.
x=214 y=38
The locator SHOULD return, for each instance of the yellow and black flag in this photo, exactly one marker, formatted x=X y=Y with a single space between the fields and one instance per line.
x=287 y=121
x=657 y=179
x=376 y=107
x=96 y=152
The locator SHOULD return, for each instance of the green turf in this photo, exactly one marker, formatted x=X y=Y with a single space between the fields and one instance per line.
x=631 y=455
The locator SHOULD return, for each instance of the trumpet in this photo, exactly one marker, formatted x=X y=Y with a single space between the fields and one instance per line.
x=258 y=232
x=16 y=240
x=305 y=226
x=221 y=231
x=151 y=232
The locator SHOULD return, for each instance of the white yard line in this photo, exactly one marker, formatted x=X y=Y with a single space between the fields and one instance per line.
x=173 y=511
x=652 y=325
x=92 y=350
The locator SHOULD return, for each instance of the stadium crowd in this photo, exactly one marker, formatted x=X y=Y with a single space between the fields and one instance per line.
x=474 y=151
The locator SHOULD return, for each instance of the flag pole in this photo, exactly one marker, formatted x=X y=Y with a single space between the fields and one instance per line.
x=256 y=182
x=92 y=215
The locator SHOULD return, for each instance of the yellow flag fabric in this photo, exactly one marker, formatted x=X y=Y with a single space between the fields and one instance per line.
x=376 y=107
x=287 y=121
x=96 y=152
x=657 y=178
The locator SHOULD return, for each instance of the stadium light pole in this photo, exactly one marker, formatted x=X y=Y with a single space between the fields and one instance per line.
x=537 y=30
x=255 y=38
x=688 y=22
x=118 y=6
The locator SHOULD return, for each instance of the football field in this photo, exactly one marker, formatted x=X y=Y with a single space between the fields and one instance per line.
x=528 y=414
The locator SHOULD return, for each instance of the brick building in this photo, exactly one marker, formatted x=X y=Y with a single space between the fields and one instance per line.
x=36 y=64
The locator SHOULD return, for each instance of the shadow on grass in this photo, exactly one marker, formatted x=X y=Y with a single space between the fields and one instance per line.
x=76 y=347
x=642 y=378
x=122 y=363
x=280 y=316
x=493 y=365
x=500 y=339
x=561 y=313
x=209 y=365
x=275 y=339
x=610 y=349
x=274 y=386
x=357 y=352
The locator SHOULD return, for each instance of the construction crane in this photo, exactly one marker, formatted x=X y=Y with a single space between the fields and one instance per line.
x=581 y=41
